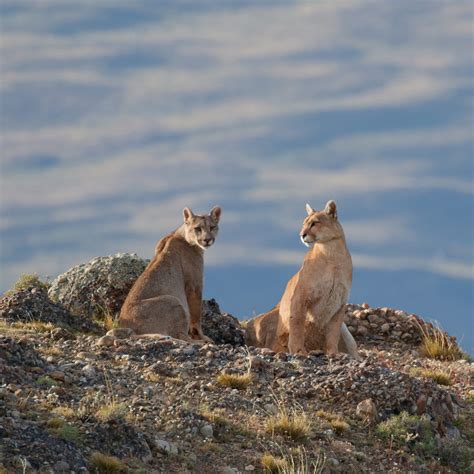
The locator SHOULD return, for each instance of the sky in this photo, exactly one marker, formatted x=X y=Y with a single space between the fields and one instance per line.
x=116 y=115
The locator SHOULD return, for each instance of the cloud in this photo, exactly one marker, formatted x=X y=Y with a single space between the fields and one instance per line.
x=227 y=104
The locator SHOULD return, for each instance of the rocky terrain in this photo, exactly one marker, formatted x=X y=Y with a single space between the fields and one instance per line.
x=73 y=399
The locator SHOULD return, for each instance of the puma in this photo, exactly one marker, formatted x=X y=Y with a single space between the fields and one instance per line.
x=167 y=297
x=310 y=315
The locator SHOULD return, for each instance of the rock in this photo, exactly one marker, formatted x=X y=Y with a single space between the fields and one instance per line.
x=57 y=375
x=121 y=333
x=61 y=333
x=27 y=305
x=105 y=341
x=207 y=431
x=421 y=404
x=165 y=447
x=367 y=410
x=250 y=468
x=222 y=328
x=88 y=370
x=98 y=287
x=62 y=467
x=385 y=327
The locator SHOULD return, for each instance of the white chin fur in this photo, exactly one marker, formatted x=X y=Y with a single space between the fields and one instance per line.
x=306 y=243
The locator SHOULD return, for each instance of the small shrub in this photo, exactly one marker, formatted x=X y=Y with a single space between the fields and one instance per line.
x=27 y=281
x=405 y=428
x=112 y=411
x=104 y=464
x=46 y=381
x=64 y=412
x=240 y=382
x=397 y=427
x=61 y=429
x=439 y=376
x=456 y=454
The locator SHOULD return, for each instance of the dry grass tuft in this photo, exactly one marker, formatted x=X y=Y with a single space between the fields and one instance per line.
x=439 y=376
x=273 y=464
x=104 y=464
x=64 y=412
x=25 y=281
x=241 y=382
x=293 y=461
x=112 y=410
x=336 y=421
x=295 y=426
x=437 y=344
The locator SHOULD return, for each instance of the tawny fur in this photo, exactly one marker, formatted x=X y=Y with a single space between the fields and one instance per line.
x=310 y=315
x=167 y=297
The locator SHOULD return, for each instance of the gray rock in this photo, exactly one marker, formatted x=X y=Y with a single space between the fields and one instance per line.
x=207 y=431
x=98 y=287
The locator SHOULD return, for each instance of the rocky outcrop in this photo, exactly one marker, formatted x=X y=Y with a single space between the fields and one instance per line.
x=98 y=287
x=222 y=328
x=32 y=304
x=373 y=326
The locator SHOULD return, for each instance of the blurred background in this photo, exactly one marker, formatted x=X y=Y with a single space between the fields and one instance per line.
x=116 y=115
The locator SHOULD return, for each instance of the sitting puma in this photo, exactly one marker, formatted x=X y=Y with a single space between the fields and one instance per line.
x=310 y=314
x=167 y=296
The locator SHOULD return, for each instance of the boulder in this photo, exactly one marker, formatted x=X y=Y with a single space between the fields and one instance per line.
x=99 y=287
x=222 y=328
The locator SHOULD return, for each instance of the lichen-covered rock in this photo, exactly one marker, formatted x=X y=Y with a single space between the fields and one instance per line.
x=222 y=328
x=98 y=287
x=33 y=304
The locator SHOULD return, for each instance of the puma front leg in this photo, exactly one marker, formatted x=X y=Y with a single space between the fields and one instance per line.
x=195 y=307
x=333 y=331
x=296 y=336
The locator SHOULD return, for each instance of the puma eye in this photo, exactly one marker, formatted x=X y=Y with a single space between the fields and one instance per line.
x=197 y=229
x=314 y=223
x=213 y=227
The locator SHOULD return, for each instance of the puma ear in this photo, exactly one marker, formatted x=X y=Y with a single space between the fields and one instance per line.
x=215 y=213
x=309 y=209
x=187 y=214
x=331 y=209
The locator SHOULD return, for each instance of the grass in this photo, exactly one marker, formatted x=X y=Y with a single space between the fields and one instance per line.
x=295 y=426
x=105 y=318
x=27 y=280
x=336 y=421
x=240 y=382
x=225 y=429
x=46 y=381
x=437 y=344
x=60 y=429
x=273 y=464
x=64 y=412
x=295 y=461
x=104 y=464
x=439 y=376
x=111 y=409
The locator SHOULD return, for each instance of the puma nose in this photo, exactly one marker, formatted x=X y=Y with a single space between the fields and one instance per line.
x=303 y=236
x=208 y=241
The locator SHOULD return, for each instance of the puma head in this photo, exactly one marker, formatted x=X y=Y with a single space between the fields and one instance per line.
x=201 y=230
x=321 y=226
